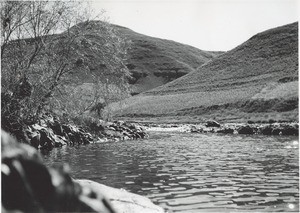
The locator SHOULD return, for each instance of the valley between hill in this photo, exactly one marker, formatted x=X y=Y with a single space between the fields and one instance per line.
x=258 y=81
x=154 y=61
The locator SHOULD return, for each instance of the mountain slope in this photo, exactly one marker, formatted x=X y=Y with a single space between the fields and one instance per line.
x=154 y=62
x=258 y=76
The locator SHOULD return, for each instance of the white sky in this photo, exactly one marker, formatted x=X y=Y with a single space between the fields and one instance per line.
x=205 y=24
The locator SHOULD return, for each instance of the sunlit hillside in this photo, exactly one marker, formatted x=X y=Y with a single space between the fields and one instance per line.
x=258 y=79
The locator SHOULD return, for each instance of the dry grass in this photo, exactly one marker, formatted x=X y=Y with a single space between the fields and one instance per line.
x=170 y=103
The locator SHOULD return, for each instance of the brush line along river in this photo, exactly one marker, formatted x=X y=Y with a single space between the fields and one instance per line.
x=186 y=172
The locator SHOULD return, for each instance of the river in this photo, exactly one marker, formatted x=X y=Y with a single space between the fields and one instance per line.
x=185 y=172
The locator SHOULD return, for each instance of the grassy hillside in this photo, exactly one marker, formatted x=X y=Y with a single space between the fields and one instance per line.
x=256 y=80
x=154 y=62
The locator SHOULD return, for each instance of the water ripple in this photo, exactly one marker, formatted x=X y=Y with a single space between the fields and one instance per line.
x=196 y=173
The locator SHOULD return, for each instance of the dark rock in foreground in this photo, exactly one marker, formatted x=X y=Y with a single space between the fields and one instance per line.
x=28 y=186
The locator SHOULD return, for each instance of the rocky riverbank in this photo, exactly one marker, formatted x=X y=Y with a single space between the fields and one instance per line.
x=29 y=186
x=49 y=132
x=230 y=128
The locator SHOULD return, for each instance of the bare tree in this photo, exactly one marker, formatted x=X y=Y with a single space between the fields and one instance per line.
x=102 y=73
x=47 y=48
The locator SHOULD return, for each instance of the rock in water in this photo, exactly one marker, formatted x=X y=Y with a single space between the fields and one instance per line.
x=226 y=131
x=212 y=124
x=266 y=130
x=290 y=130
x=247 y=130
x=121 y=200
x=29 y=186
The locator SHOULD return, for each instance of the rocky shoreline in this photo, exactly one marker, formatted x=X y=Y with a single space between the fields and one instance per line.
x=289 y=129
x=49 y=132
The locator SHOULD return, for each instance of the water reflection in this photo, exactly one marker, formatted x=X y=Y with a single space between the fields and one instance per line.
x=193 y=172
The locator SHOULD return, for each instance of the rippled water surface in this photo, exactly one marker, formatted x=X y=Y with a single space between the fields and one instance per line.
x=186 y=172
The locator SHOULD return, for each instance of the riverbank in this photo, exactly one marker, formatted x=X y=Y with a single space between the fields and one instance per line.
x=49 y=132
x=229 y=128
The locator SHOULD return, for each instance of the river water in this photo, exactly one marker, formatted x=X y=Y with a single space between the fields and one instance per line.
x=185 y=172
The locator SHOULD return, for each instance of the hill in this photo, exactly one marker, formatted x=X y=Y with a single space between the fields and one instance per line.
x=151 y=61
x=256 y=80
x=154 y=62
x=92 y=52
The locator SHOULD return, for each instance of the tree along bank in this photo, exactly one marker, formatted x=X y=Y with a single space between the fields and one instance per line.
x=55 y=58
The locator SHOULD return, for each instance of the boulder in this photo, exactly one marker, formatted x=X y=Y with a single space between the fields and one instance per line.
x=46 y=142
x=212 y=124
x=66 y=129
x=266 y=130
x=246 y=130
x=57 y=128
x=121 y=200
x=29 y=186
x=225 y=131
x=96 y=127
x=136 y=136
x=132 y=126
x=290 y=130
x=277 y=131
x=35 y=139
x=125 y=133
x=59 y=141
